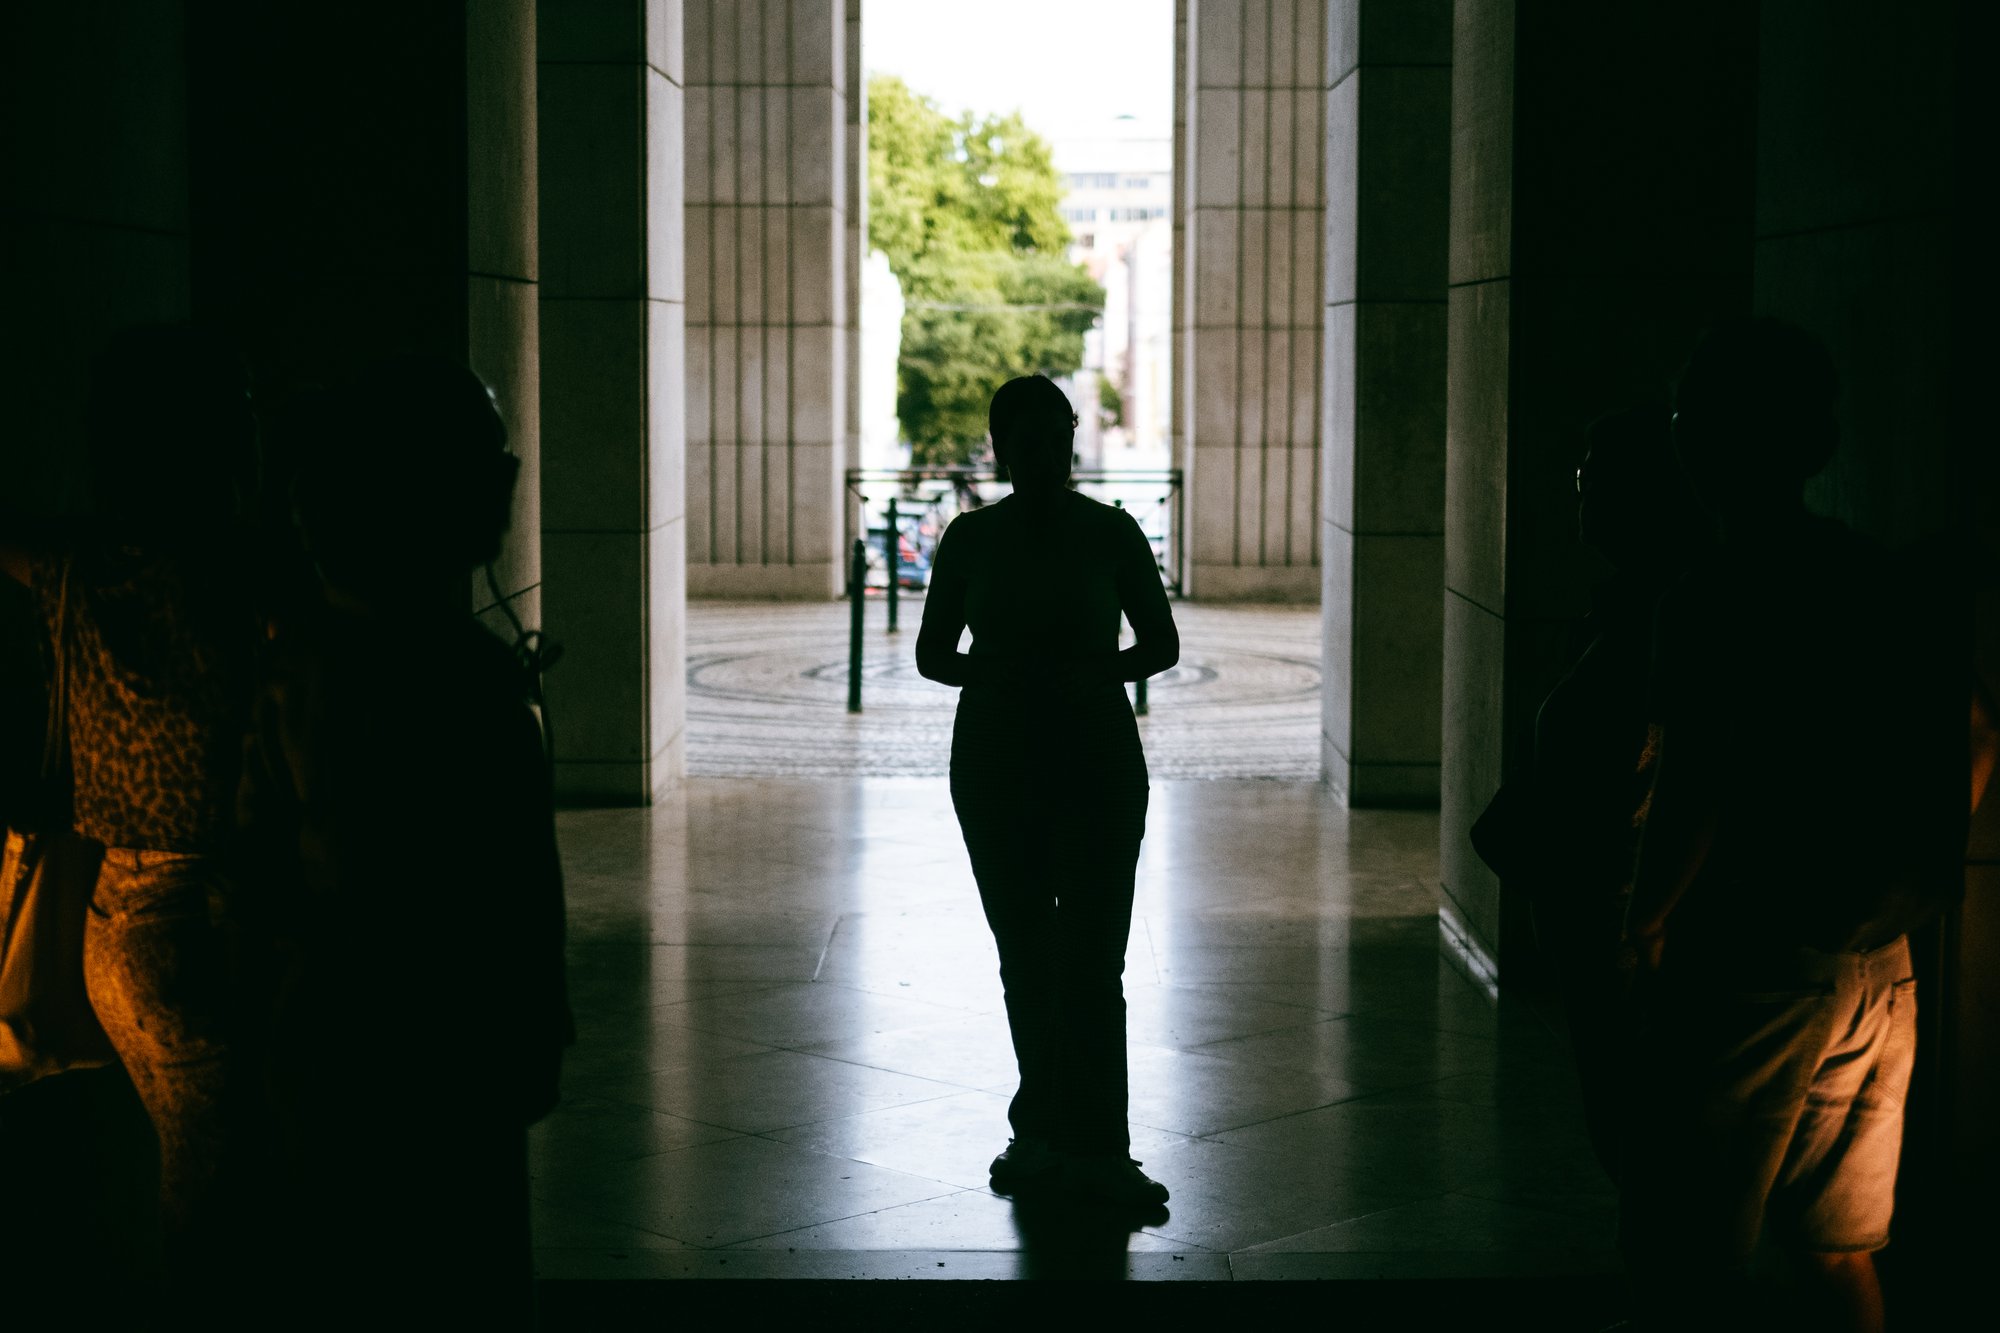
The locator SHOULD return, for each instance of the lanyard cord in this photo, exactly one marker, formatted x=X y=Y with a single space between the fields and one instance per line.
x=536 y=655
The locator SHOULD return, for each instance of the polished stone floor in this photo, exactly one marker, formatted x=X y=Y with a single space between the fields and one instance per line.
x=767 y=694
x=793 y=1060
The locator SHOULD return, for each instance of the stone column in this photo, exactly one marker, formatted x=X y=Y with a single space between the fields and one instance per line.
x=368 y=187
x=1254 y=105
x=1600 y=218
x=854 y=253
x=1180 y=396
x=1388 y=154
x=767 y=86
x=613 y=394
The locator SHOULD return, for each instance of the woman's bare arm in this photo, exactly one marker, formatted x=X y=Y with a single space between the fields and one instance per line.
x=1156 y=643
x=938 y=657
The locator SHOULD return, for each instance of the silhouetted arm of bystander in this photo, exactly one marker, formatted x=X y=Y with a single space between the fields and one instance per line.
x=1680 y=828
x=1683 y=805
x=1985 y=741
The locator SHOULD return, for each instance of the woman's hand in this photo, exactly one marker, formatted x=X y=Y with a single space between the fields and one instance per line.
x=1641 y=952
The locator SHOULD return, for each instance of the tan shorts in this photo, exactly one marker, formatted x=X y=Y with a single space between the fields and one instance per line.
x=1769 y=1102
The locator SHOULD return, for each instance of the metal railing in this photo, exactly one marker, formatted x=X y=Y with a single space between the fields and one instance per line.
x=936 y=495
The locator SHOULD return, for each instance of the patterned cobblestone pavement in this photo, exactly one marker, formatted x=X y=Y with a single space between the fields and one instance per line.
x=767 y=695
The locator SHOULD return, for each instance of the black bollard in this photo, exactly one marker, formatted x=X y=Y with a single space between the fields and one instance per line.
x=894 y=541
x=857 y=597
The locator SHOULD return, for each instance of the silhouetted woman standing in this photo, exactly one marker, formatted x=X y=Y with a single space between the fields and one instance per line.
x=148 y=611
x=1049 y=780
x=397 y=787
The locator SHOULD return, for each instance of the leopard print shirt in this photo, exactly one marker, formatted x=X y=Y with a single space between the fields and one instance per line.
x=158 y=652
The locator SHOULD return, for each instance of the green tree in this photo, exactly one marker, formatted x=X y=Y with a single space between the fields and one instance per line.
x=966 y=210
x=1110 y=403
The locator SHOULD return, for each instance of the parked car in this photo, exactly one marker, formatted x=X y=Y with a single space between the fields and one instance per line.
x=913 y=566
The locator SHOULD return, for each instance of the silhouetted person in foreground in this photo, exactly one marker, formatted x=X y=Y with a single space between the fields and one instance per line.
x=1049 y=780
x=397 y=788
x=1568 y=827
x=1809 y=807
x=148 y=611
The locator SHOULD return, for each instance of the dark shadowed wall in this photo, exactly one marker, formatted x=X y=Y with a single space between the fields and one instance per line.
x=1601 y=216
x=93 y=213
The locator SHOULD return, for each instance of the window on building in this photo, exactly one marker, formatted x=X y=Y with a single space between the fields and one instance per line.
x=1093 y=180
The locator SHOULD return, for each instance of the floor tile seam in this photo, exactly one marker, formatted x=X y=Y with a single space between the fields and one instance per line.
x=601 y=1013
x=826 y=946
x=650 y=943
x=951 y=1191
x=1325 y=1014
x=950 y=1090
x=1215 y=1135
x=749 y=988
x=1152 y=950
x=583 y=1092
x=765 y=1048
x=733 y=1133
x=1474 y=1192
x=1245 y=1060
x=1209 y=1136
x=619 y=1159
x=1393 y=1083
x=1410 y=1202
x=929 y=1251
x=1555 y=1263
x=829 y=986
x=572 y=1206
x=1382 y=1012
x=860 y=990
x=607 y=941
x=1183 y=1240
x=956 y=1088
x=1197 y=1050
x=1188 y=1246
x=1248 y=1036
x=946 y=1189
x=955 y=1010
x=1516 y=1204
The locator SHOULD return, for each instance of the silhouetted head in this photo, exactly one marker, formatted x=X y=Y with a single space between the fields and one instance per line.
x=1753 y=415
x=409 y=479
x=173 y=444
x=1034 y=433
x=1634 y=506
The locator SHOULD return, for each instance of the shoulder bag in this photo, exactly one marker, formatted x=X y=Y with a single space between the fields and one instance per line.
x=47 y=876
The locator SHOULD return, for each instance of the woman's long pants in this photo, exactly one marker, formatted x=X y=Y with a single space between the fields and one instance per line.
x=156 y=967
x=1052 y=800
